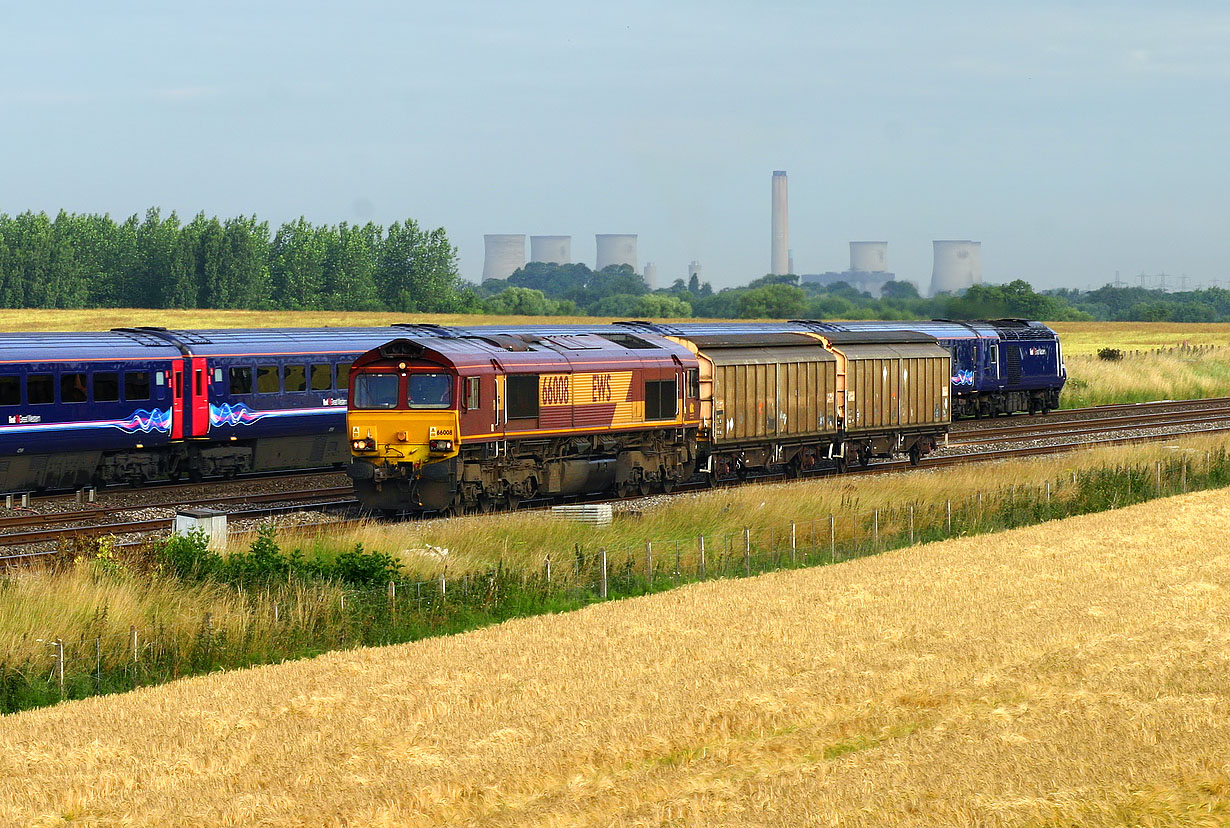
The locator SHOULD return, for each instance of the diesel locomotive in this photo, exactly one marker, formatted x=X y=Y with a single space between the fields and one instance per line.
x=475 y=420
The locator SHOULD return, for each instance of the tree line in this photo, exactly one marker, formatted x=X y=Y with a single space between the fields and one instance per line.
x=80 y=260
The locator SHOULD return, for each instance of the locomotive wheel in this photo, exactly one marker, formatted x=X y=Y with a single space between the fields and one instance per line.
x=668 y=484
x=645 y=487
x=513 y=502
x=485 y=504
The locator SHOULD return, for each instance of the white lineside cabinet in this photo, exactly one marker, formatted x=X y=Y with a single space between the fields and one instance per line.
x=212 y=522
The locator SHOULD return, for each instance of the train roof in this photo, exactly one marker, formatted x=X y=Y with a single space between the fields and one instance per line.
x=66 y=346
x=275 y=341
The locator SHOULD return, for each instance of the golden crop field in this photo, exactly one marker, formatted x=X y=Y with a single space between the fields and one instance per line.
x=1090 y=337
x=102 y=319
x=1072 y=674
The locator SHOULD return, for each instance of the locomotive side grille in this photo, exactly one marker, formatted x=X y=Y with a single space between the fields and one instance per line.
x=1012 y=363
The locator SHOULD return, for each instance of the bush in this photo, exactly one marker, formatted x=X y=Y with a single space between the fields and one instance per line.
x=1110 y=354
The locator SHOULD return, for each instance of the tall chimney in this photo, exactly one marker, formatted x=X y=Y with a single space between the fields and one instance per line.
x=781 y=225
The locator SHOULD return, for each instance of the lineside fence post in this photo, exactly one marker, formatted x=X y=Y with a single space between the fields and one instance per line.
x=747 y=550
x=793 y=545
x=602 y=584
x=649 y=563
x=948 y=516
x=59 y=666
x=700 y=564
x=832 y=538
x=911 y=524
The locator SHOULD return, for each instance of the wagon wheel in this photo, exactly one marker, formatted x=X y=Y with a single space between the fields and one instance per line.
x=864 y=458
x=915 y=454
x=839 y=463
x=795 y=468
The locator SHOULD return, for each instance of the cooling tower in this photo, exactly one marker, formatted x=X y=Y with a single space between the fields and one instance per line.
x=505 y=252
x=556 y=249
x=616 y=249
x=958 y=265
x=868 y=256
x=780 y=260
x=651 y=275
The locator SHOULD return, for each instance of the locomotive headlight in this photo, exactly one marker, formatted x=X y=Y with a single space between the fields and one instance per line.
x=366 y=444
x=440 y=445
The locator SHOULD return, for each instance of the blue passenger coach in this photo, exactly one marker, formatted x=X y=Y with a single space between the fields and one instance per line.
x=138 y=404
x=78 y=407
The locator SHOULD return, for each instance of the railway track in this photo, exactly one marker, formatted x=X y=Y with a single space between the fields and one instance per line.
x=970 y=441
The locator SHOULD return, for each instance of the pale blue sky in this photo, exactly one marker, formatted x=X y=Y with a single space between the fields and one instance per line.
x=1072 y=143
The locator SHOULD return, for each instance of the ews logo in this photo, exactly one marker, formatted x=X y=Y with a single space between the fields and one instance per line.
x=555 y=390
x=601 y=388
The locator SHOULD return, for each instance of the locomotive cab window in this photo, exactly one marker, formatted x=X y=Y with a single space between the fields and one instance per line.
x=429 y=391
x=522 y=393
x=294 y=378
x=322 y=377
x=241 y=380
x=10 y=390
x=693 y=382
x=472 y=400
x=661 y=400
x=267 y=379
x=375 y=391
x=106 y=387
x=136 y=385
x=39 y=389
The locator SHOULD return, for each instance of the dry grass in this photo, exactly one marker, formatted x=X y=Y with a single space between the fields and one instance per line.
x=1142 y=377
x=1089 y=337
x=523 y=541
x=1067 y=674
x=82 y=602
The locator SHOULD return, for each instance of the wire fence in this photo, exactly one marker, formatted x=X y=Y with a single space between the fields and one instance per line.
x=292 y=620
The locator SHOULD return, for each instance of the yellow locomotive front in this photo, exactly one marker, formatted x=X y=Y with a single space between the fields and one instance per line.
x=404 y=432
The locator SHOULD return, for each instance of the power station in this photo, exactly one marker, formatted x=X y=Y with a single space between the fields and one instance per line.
x=779 y=263
x=957 y=264
x=551 y=249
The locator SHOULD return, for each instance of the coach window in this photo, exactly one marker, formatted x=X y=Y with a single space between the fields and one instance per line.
x=343 y=376
x=267 y=379
x=993 y=357
x=241 y=380
x=10 y=390
x=39 y=389
x=136 y=385
x=522 y=393
x=322 y=377
x=106 y=387
x=294 y=378
x=471 y=393
x=660 y=400
x=72 y=388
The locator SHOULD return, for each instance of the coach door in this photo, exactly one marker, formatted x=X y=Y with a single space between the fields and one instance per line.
x=177 y=398
x=198 y=396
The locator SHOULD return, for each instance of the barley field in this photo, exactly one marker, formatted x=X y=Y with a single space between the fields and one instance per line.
x=1089 y=337
x=1061 y=675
